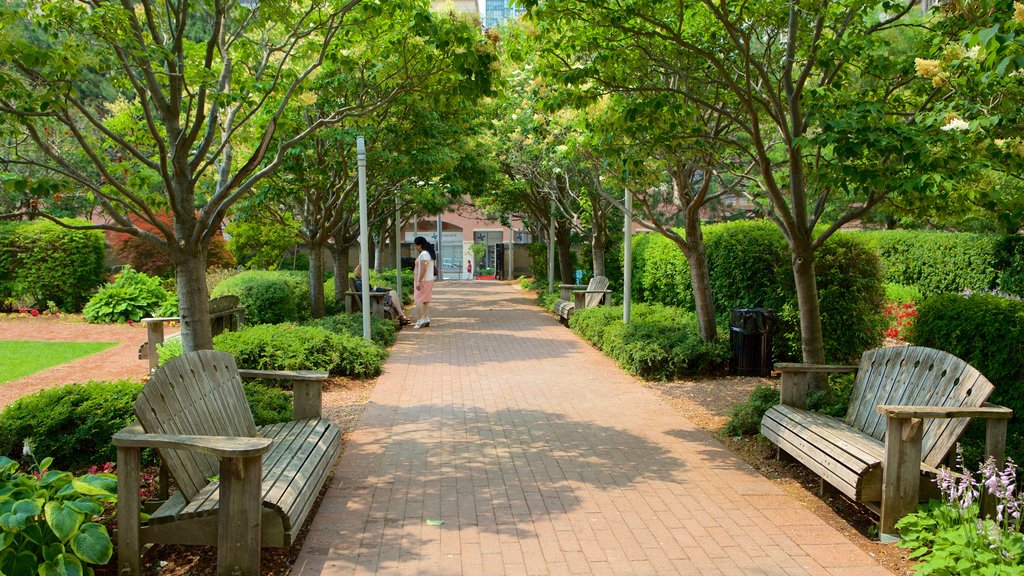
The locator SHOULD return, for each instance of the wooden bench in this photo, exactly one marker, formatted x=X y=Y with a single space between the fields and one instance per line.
x=908 y=408
x=354 y=303
x=239 y=487
x=225 y=316
x=578 y=297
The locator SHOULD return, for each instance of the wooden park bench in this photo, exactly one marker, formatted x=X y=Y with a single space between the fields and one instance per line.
x=908 y=408
x=354 y=303
x=578 y=297
x=225 y=316
x=240 y=486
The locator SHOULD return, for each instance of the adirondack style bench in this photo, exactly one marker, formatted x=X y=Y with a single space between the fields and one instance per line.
x=240 y=486
x=354 y=302
x=225 y=315
x=577 y=296
x=908 y=408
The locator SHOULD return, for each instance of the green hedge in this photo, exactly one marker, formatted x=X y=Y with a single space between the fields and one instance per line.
x=293 y=347
x=937 y=262
x=660 y=343
x=44 y=262
x=749 y=266
x=988 y=333
x=381 y=330
x=73 y=424
x=269 y=297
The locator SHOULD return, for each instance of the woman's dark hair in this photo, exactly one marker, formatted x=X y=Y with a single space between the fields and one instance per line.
x=422 y=243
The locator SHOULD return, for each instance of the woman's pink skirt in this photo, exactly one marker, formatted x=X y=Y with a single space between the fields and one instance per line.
x=423 y=292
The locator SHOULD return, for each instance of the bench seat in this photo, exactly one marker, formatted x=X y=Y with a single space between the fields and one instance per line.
x=294 y=470
x=577 y=296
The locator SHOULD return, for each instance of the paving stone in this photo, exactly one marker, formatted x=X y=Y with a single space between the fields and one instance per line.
x=542 y=457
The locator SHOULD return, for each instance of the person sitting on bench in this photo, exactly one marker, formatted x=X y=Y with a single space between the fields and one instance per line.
x=392 y=301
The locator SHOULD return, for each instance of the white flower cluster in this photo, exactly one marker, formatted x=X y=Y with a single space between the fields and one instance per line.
x=956 y=123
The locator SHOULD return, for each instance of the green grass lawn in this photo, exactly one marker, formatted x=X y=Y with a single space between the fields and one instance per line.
x=23 y=357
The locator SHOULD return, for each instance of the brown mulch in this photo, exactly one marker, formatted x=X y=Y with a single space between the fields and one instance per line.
x=121 y=361
x=708 y=402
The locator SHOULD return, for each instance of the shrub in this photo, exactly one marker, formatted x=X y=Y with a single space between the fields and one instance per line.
x=50 y=520
x=835 y=399
x=42 y=261
x=293 y=347
x=987 y=332
x=169 y=350
x=1011 y=263
x=74 y=423
x=131 y=296
x=937 y=262
x=746 y=417
x=381 y=330
x=147 y=257
x=268 y=297
x=659 y=343
x=749 y=266
x=901 y=293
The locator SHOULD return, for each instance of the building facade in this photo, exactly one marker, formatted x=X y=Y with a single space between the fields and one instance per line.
x=496 y=12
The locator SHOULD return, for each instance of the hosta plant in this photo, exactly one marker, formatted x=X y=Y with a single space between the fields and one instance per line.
x=47 y=521
x=130 y=297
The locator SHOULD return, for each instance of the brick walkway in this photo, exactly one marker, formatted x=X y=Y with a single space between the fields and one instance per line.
x=542 y=457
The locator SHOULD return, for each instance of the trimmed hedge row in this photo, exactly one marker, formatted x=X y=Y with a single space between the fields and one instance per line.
x=44 y=262
x=269 y=297
x=987 y=332
x=73 y=424
x=660 y=343
x=749 y=265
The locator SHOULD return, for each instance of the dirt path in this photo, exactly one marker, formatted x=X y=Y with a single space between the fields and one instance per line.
x=120 y=361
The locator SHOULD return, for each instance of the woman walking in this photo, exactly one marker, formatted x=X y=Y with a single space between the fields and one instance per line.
x=423 y=280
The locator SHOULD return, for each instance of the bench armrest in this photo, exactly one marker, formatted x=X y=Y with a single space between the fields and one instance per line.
x=307 y=389
x=986 y=410
x=161 y=320
x=220 y=446
x=572 y=286
x=796 y=368
x=592 y=291
x=292 y=375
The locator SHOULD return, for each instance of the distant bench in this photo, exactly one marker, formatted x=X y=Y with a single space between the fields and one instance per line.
x=354 y=303
x=577 y=296
x=225 y=316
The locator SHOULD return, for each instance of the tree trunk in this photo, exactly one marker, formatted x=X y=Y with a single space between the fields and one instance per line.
x=340 y=272
x=597 y=254
x=562 y=244
x=700 y=281
x=316 y=280
x=811 y=334
x=193 y=302
x=378 y=247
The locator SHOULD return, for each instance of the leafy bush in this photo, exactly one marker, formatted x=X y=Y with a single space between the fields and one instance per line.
x=835 y=399
x=49 y=520
x=75 y=423
x=381 y=330
x=268 y=297
x=749 y=266
x=546 y=300
x=901 y=293
x=169 y=309
x=987 y=332
x=1011 y=262
x=131 y=296
x=147 y=257
x=169 y=350
x=937 y=262
x=42 y=261
x=746 y=417
x=659 y=343
x=526 y=283
x=293 y=347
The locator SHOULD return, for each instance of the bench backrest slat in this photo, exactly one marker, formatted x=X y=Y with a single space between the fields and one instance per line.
x=916 y=376
x=596 y=283
x=199 y=393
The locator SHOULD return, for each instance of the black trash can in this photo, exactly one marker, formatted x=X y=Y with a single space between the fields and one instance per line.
x=750 y=333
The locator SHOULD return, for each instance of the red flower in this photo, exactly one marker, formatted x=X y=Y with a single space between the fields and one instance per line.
x=35 y=312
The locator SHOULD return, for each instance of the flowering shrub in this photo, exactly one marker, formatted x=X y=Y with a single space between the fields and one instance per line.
x=951 y=537
x=900 y=318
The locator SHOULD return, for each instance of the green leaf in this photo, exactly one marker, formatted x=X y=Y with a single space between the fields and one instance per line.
x=63 y=519
x=46 y=463
x=34 y=532
x=92 y=544
x=27 y=507
x=24 y=563
x=86 y=506
x=96 y=485
x=64 y=565
x=13 y=522
x=52 y=551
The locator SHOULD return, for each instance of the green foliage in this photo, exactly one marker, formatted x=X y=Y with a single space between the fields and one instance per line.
x=381 y=330
x=937 y=262
x=944 y=543
x=269 y=296
x=1011 y=263
x=545 y=299
x=48 y=521
x=293 y=347
x=73 y=423
x=659 y=343
x=901 y=293
x=526 y=283
x=749 y=266
x=269 y=404
x=835 y=399
x=169 y=309
x=42 y=261
x=169 y=350
x=746 y=418
x=987 y=332
x=261 y=245
x=131 y=296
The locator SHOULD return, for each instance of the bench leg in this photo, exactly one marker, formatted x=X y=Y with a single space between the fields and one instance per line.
x=154 y=336
x=306 y=399
x=239 y=517
x=995 y=447
x=128 y=545
x=901 y=473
